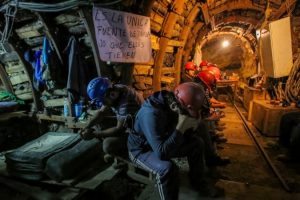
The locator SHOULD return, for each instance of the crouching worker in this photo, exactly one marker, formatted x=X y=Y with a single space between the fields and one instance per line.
x=164 y=129
x=124 y=102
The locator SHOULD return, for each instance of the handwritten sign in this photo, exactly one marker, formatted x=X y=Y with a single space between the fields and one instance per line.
x=121 y=36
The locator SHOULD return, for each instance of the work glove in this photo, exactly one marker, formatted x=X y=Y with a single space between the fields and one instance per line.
x=186 y=122
x=87 y=133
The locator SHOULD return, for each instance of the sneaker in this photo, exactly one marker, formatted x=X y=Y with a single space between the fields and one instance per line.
x=217 y=161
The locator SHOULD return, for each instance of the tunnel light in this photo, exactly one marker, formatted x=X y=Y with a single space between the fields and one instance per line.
x=225 y=43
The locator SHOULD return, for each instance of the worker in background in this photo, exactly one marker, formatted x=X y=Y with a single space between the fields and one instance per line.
x=208 y=81
x=166 y=127
x=290 y=136
x=191 y=70
x=124 y=102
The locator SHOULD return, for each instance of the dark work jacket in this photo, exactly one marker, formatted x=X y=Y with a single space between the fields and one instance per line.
x=155 y=128
x=77 y=81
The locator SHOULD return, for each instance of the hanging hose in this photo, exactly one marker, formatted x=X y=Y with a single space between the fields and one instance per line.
x=292 y=89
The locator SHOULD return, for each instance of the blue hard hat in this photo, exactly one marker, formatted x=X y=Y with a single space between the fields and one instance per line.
x=97 y=88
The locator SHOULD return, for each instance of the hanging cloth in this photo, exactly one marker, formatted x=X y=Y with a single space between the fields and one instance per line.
x=77 y=81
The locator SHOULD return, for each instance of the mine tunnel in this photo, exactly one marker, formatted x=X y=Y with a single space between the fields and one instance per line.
x=150 y=99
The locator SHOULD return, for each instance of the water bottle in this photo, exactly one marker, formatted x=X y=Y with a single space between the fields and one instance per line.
x=66 y=108
x=78 y=109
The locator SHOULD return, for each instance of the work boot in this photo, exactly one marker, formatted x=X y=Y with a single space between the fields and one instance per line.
x=218 y=138
x=217 y=161
x=213 y=117
x=219 y=123
x=220 y=128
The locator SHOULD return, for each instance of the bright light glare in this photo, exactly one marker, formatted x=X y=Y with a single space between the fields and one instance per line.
x=225 y=43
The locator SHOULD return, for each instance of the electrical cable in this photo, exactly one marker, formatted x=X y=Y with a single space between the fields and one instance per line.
x=12 y=6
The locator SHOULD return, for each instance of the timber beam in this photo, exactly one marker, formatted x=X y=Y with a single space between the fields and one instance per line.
x=168 y=25
x=233 y=5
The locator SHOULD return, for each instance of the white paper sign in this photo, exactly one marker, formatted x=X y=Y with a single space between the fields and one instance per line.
x=121 y=36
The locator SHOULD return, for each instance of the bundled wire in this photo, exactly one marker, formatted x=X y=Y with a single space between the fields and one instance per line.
x=11 y=7
x=292 y=89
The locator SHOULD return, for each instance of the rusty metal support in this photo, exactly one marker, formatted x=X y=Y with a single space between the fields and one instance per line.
x=233 y=5
x=29 y=72
x=183 y=37
x=283 y=8
x=5 y=79
x=88 y=22
x=50 y=34
x=192 y=41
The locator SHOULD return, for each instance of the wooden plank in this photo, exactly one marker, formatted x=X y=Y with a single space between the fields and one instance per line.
x=54 y=102
x=142 y=69
x=32 y=191
x=27 y=68
x=88 y=22
x=175 y=43
x=154 y=42
x=14 y=69
x=5 y=80
x=98 y=179
x=25 y=96
x=168 y=70
x=156 y=17
x=167 y=79
x=155 y=27
x=143 y=79
x=169 y=49
x=50 y=33
x=19 y=79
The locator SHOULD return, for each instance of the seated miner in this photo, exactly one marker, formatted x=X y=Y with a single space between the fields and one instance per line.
x=289 y=137
x=124 y=102
x=208 y=81
x=190 y=69
x=166 y=127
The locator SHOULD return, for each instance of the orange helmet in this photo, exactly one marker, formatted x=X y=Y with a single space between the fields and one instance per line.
x=215 y=70
x=208 y=78
x=192 y=98
x=190 y=66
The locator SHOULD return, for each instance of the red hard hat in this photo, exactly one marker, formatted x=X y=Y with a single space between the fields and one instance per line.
x=203 y=63
x=190 y=66
x=215 y=70
x=208 y=78
x=192 y=98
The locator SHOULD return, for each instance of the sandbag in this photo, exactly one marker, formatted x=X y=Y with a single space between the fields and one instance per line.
x=68 y=163
x=28 y=161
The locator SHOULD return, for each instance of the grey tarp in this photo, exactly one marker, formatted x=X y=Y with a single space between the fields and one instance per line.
x=28 y=161
x=66 y=164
